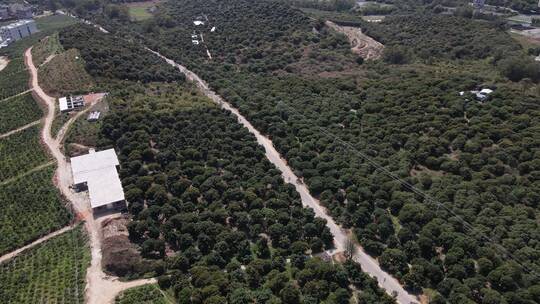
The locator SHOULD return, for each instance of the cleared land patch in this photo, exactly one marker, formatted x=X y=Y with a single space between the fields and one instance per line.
x=65 y=74
x=31 y=207
x=47 y=47
x=361 y=44
x=139 y=11
x=21 y=152
x=18 y=111
x=52 y=272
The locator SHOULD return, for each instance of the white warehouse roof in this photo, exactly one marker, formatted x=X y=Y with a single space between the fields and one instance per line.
x=98 y=170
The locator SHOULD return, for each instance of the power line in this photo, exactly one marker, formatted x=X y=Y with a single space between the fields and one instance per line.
x=427 y=198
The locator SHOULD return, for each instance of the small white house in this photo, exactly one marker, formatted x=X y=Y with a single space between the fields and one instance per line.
x=198 y=22
x=66 y=104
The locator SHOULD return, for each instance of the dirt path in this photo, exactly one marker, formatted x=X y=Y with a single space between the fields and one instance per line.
x=100 y=288
x=369 y=265
x=3 y=62
x=363 y=45
x=20 y=129
x=34 y=243
x=16 y=95
x=9 y=180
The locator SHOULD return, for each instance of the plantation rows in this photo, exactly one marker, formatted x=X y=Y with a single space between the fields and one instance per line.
x=21 y=152
x=31 y=207
x=13 y=79
x=53 y=272
x=17 y=112
x=148 y=294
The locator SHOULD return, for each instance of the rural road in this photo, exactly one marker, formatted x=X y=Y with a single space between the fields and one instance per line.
x=100 y=288
x=369 y=265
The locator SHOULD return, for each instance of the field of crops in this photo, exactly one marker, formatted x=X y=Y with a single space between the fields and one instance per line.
x=18 y=111
x=13 y=79
x=148 y=294
x=65 y=74
x=21 y=152
x=52 y=272
x=31 y=207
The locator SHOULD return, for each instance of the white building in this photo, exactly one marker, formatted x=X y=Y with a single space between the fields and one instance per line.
x=66 y=104
x=96 y=171
x=18 y=30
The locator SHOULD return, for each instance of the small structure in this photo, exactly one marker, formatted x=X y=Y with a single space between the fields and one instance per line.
x=20 y=11
x=93 y=116
x=96 y=171
x=67 y=104
x=537 y=58
x=198 y=22
x=4 y=12
x=195 y=42
x=213 y=29
x=18 y=30
x=483 y=94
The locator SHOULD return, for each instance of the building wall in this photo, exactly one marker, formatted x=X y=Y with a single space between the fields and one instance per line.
x=18 y=32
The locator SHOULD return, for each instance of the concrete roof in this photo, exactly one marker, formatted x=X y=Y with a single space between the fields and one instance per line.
x=62 y=103
x=98 y=170
x=16 y=24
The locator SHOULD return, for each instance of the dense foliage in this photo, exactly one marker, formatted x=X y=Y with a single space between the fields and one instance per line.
x=105 y=57
x=52 y=272
x=478 y=160
x=148 y=294
x=31 y=207
x=18 y=111
x=21 y=152
x=436 y=36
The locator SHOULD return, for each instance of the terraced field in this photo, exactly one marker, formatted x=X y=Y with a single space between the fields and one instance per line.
x=31 y=207
x=18 y=111
x=13 y=79
x=21 y=152
x=52 y=272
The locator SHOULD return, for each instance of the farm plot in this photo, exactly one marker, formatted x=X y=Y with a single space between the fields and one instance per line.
x=149 y=294
x=17 y=112
x=52 y=272
x=13 y=79
x=21 y=152
x=31 y=207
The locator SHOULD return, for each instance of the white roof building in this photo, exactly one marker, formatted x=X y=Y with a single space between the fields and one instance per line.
x=98 y=171
x=198 y=22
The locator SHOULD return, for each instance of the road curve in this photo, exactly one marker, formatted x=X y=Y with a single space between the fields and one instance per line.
x=100 y=288
x=369 y=265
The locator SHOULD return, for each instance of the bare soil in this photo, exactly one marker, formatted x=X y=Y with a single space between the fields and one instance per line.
x=3 y=62
x=363 y=45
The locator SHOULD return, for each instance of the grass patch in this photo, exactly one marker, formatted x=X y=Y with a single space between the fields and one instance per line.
x=84 y=132
x=18 y=111
x=65 y=74
x=21 y=152
x=139 y=13
x=48 y=46
x=149 y=294
x=52 y=272
x=31 y=207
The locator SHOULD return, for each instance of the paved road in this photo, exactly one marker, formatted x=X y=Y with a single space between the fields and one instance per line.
x=369 y=265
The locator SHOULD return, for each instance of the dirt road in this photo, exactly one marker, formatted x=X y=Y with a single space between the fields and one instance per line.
x=369 y=265
x=363 y=45
x=3 y=62
x=100 y=288
x=20 y=129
